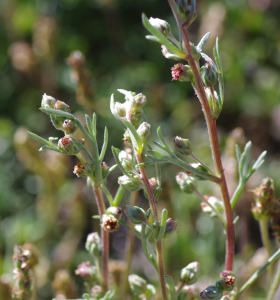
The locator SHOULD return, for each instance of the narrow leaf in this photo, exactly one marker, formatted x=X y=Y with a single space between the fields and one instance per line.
x=58 y=113
x=89 y=126
x=218 y=60
x=238 y=153
x=155 y=154
x=259 y=161
x=38 y=138
x=135 y=135
x=94 y=124
x=203 y=41
x=152 y=38
x=104 y=146
x=171 y=287
x=116 y=156
x=245 y=159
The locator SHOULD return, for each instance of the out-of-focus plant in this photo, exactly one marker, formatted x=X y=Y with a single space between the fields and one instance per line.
x=208 y=84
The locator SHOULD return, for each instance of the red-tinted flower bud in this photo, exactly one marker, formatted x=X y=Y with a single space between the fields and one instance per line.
x=69 y=145
x=208 y=74
x=183 y=146
x=87 y=272
x=93 y=244
x=115 y=211
x=69 y=126
x=181 y=72
x=171 y=226
x=109 y=223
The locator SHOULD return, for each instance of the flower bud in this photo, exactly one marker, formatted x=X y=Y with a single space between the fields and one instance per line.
x=58 y=120
x=216 y=109
x=115 y=211
x=181 y=72
x=226 y=284
x=83 y=169
x=189 y=274
x=182 y=6
x=137 y=118
x=187 y=183
x=217 y=203
x=109 y=223
x=189 y=293
x=211 y=293
x=69 y=145
x=97 y=292
x=209 y=74
x=126 y=137
x=151 y=290
x=137 y=284
x=144 y=132
x=93 y=244
x=161 y=25
x=69 y=126
x=59 y=105
x=104 y=169
x=126 y=160
x=135 y=214
x=87 y=272
x=48 y=101
x=120 y=110
x=183 y=146
x=141 y=100
x=199 y=167
x=171 y=226
x=130 y=184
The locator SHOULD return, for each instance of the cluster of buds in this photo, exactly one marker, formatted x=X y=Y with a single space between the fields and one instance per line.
x=215 y=202
x=189 y=274
x=87 y=272
x=266 y=206
x=186 y=182
x=93 y=244
x=83 y=169
x=24 y=260
x=140 y=288
x=186 y=10
x=215 y=292
x=81 y=77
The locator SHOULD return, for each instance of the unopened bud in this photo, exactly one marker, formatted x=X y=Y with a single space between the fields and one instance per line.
x=126 y=160
x=217 y=203
x=161 y=25
x=48 y=101
x=69 y=145
x=58 y=120
x=104 y=169
x=216 y=109
x=189 y=274
x=137 y=118
x=208 y=74
x=181 y=72
x=182 y=6
x=109 y=223
x=199 y=167
x=187 y=183
x=226 y=284
x=130 y=184
x=59 y=105
x=126 y=137
x=171 y=226
x=135 y=214
x=115 y=211
x=97 y=291
x=87 y=272
x=183 y=146
x=120 y=110
x=151 y=290
x=211 y=293
x=141 y=100
x=69 y=126
x=144 y=132
x=93 y=244
x=137 y=284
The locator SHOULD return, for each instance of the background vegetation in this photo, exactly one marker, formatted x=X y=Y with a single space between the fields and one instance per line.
x=43 y=203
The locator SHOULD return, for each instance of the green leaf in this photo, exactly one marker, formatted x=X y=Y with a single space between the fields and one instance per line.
x=259 y=161
x=162 y=39
x=171 y=287
x=89 y=126
x=243 y=165
x=218 y=60
x=104 y=146
x=135 y=135
x=156 y=154
x=58 y=113
x=238 y=153
x=45 y=147
x=38 y=138
x=203 y=41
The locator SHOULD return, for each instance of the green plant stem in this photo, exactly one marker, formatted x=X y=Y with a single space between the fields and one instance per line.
x=119 y=195
x=214 y=142
x=108 y=194
x=104 y=238
x=219 y=215
x=128 y=249
x=272 y=259
x=275 y=283
x=266 y=243
x=153 y=204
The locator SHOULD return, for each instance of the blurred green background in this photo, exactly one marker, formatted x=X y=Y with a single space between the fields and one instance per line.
x=41 y=200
